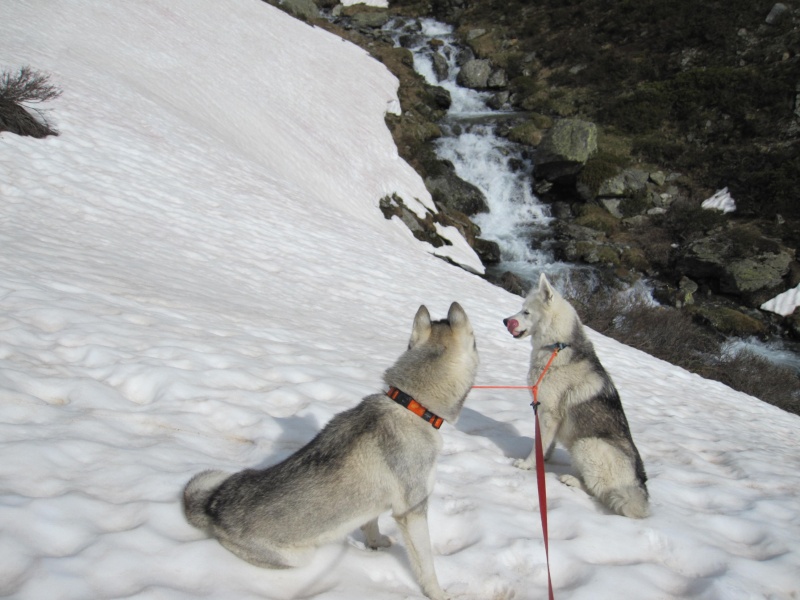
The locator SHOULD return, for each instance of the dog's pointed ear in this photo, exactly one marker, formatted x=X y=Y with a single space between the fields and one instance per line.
x=421 y=329
x=546 y=290
x=457 y=317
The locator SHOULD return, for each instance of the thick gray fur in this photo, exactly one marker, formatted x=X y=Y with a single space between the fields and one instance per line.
x=375 y=457
x=579 y=405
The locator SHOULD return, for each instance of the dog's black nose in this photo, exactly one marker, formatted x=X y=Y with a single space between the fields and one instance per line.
x=505 y=322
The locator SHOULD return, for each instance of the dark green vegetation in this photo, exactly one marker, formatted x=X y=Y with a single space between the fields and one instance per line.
x=705 y=88
x=22 y=88
x=673 y=336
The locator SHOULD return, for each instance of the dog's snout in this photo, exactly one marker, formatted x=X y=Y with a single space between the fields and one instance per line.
x=505 y=322
x=512 y=325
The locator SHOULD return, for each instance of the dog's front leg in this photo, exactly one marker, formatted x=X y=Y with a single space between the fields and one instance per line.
x=414 y=525
x=374 y=538
x=548 y=426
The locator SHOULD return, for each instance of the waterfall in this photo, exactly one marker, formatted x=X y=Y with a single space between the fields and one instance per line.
x=516 y=220
x=497 y=167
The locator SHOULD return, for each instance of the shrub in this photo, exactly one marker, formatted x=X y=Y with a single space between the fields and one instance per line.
x=672 y=335
x=19 y=89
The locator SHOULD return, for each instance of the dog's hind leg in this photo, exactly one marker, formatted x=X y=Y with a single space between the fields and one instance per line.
x=609 y=474
x=261 y=554
x=414 y=525
x=374 y=538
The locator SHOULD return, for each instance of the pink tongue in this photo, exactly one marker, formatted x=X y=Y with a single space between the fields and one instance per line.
x=512 y=326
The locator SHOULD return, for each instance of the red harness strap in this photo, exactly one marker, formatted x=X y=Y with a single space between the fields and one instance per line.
x=540 y=466
x=539 y=449
x=404 y=399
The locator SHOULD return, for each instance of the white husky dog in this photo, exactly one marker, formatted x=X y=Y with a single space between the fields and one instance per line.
x=378 y=456
x=579 y=405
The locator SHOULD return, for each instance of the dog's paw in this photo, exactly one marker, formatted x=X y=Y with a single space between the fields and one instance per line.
x=434 y=592
x=571 y=481
x=524 y=464
x=380 y=541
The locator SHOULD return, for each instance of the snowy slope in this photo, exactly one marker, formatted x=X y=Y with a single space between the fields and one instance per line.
x=195 y=275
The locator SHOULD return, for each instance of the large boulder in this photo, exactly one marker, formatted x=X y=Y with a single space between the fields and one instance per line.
x=306 y=10
x=475 y=73
x=371 y=19
x=738 y=261
x=450 y=192
x=756 y=279
x=727 y=320
x=564 y=150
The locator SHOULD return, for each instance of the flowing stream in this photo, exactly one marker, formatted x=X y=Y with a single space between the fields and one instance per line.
x=516 y=220
x=496 y=166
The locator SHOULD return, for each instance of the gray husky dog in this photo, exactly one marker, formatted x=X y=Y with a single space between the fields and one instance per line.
x=378 y=456
x=579 y=404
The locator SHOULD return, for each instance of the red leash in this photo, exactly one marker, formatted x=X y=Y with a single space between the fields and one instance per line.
x=539 y=455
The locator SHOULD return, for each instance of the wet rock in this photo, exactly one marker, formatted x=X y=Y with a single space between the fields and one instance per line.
x=512 y=283
x=475 y=74
x=449 y=191
x=440 y=66
x=729 y=321
x=487 y=250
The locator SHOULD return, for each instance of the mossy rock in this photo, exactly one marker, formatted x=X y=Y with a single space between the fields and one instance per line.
x=596 y=217
x=486 y=45
x=528 y=133
x=727 y=320
x=595 y=253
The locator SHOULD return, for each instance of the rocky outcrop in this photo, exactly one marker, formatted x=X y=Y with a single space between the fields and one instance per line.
x=450 y=192
x=306 y=10
x=474 y=74
x=564 y=150
x=626 y=218
x=738 y=261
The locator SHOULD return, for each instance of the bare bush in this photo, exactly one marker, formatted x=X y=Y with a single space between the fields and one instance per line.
x=22 y=88
x=755 y=375
x=673 y=336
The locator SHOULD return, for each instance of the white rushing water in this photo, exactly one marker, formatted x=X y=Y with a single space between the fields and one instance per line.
x=497 y=167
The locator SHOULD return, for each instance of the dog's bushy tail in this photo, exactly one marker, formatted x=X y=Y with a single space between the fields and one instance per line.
x=196 y=494
x=628 y=501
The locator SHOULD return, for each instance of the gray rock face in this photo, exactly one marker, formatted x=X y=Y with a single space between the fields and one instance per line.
x=752 y=278
x=453 y=193
x=440 y=67
x=370 y=20
x=475 y=74
x=564 y=149
x=778 y=12
x=303 y=9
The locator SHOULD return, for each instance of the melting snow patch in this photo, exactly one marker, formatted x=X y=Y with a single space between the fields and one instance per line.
x=721 y=201
x=785 y=303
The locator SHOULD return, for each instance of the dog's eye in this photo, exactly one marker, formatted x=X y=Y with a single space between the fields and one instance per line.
x=527 y=313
